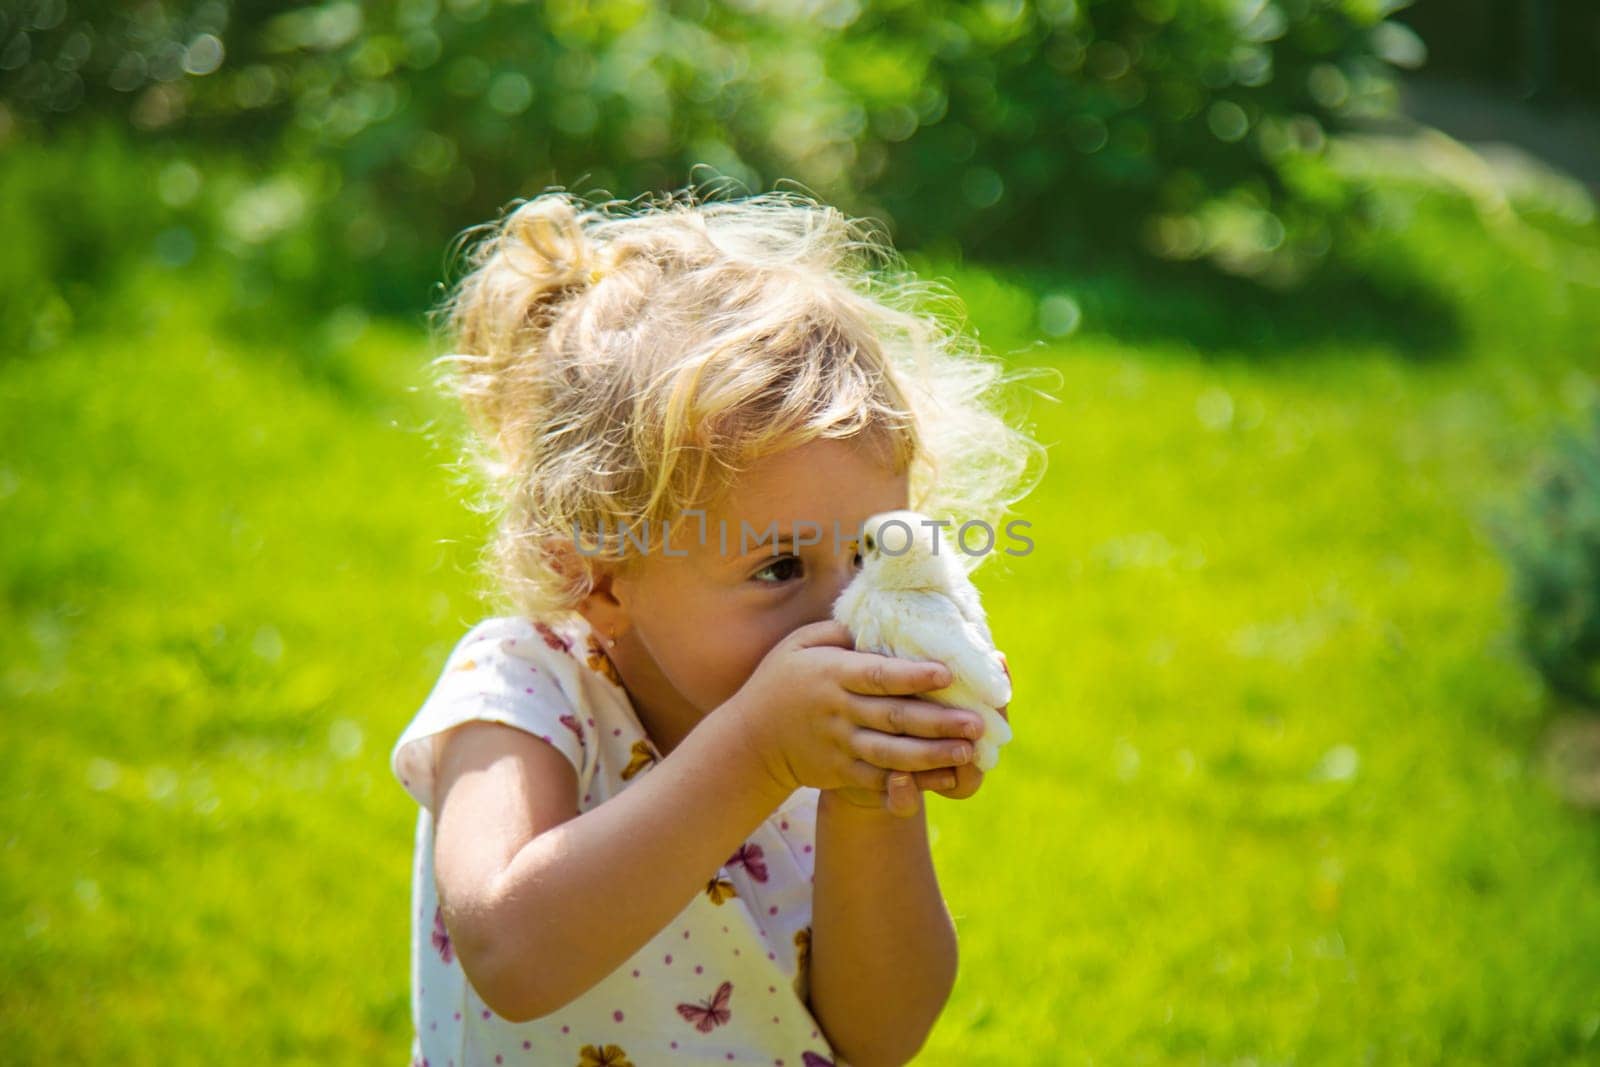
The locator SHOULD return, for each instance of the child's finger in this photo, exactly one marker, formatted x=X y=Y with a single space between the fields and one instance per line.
x=917 y=718
x=963 y=781
x=828 y=632
x=902 y=798
x=870 y=674
x=899 y=753
x=1007 y=668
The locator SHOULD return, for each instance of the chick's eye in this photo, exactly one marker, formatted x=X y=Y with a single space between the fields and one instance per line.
x=869 y=543
x=777 y=565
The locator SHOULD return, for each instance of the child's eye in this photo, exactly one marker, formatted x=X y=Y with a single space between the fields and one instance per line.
x=775 y=565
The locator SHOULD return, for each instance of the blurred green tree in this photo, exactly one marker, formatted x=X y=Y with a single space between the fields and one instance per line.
x=1552 y=546
x=340 y=146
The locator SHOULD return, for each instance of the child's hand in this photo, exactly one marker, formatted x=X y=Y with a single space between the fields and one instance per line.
x=963 y=780
x=818 y=713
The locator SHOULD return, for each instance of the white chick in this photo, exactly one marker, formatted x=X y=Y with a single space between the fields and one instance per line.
x=912 y=602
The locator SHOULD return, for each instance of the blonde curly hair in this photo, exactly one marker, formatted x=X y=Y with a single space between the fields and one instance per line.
x=621 y=363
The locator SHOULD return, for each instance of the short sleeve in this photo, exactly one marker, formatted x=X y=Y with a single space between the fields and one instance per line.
x=500 y=672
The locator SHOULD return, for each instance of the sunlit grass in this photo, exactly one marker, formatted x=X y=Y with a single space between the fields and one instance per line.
x=1273 y=795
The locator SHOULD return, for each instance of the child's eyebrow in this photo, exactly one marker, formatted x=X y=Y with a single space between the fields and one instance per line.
x=765 y=548
x=756 y=536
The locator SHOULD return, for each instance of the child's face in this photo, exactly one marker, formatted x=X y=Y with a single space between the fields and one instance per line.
x=695 y=627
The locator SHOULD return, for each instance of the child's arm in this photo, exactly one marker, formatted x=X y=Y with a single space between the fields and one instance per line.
x=542 y=902
x=883 y=947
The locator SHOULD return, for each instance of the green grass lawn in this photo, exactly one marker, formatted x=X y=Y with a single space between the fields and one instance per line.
x=1274 y=796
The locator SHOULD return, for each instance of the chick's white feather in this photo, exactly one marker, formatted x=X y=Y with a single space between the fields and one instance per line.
x=918 y=603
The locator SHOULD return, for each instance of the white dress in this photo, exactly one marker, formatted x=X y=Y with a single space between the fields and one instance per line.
x=723 y=982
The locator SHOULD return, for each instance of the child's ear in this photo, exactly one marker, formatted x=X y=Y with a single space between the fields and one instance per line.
x=605 y=610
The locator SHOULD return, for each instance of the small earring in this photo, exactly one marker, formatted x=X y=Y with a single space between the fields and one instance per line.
x=611 y=641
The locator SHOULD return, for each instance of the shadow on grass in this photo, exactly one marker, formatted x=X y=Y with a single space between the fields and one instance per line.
x=1341 y=304
x=318 y=342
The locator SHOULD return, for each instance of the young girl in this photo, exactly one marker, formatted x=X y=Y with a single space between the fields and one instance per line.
x=668 y=814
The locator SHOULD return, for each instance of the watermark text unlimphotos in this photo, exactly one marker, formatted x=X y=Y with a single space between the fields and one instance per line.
x=896 y=536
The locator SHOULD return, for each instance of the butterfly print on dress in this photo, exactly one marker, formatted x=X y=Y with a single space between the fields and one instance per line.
x=601 y=664
x=709 y=1014
x=608 y=1056
x=571 y=723
x=441 y=936
x=553 y=639
x=642 y=756
x=802 y=961
x=720 y=889
x=751 y=856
